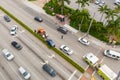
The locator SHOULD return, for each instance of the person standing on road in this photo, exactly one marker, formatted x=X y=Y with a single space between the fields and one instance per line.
x=61 y=36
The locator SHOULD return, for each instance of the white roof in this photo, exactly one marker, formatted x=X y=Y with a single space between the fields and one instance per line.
x=114 y=53
x=66 y=48
x=109 y=73
x=92 y=58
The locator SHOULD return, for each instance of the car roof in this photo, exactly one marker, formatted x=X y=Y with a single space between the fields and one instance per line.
x=48 y=68
x=85 y=40
x=114 y=53
x=92 y=58
x=21 y=69
x=66 y=48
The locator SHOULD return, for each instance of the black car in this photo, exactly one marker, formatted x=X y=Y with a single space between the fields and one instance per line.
x=7 y=19
x=16 y=45
x=38 y=19
x=49 y=70
x=50 y=42
x=62 y=30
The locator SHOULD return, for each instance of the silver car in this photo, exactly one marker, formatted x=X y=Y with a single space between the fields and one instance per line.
x=66 y=49
x=83 y=41
x=13 y=29
x=99 y=2
x=8 y=55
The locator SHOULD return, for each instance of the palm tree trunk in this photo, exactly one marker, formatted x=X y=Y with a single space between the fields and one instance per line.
x=78 y=6
x=89 y=26
x=62 y=6
x=101 y=17
x=81 y=23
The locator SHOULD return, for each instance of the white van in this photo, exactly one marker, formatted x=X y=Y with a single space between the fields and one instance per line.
x=112 y=54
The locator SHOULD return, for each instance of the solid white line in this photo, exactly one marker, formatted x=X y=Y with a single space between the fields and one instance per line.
x=72 y=75
x=86 y=68
x=80 y=77
x=14 y=71
x=2 y=76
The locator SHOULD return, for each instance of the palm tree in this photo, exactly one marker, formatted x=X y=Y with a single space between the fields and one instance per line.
x=103 y=9
x=117 y=9
x=82 y=3
x=111 y=14
x=62 y=4
x=84 y=16
x=114 y=28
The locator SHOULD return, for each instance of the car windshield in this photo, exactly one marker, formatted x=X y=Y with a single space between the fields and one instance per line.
x=108 y=51
x=17 y=45
x=84 y=40
x=12 y=29
x=51 y=42
x=25 y=74
x=66 y=49
x=8 y=55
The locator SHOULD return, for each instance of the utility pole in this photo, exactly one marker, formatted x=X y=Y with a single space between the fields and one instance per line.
x=89 y=26
x=79 y=25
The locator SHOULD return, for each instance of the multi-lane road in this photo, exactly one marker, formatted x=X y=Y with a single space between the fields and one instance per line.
x=32 y=57
x=35 y=54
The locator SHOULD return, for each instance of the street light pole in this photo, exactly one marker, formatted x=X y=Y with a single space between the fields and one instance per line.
x=89 y=26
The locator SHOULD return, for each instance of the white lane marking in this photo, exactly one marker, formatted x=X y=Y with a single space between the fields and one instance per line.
x=14 y=71
x=52 y=56
x=21 y=31
x=80 y=76
x=59 y=68
x=42 y=63
x=2 y=76
x=26 y=66
x=72 y=75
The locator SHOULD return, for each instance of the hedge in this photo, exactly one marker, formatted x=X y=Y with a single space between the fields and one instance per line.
x=102 y=75
x=43 y=40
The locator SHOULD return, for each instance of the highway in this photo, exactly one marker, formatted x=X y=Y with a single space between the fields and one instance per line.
x=26 y=15
x=32 y=57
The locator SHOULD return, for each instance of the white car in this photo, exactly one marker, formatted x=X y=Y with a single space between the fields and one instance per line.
x=99 y=2
x=9 y=56
x=83 y=41
x=112 y=54
x=117 y=2
x=24 y=73
x=13 y=29
x=66 y=50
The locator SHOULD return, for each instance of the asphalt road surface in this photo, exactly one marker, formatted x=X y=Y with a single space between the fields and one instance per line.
x=32 y=57
x=26 y=15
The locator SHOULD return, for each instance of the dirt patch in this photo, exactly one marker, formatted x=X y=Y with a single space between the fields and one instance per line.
x=90 y=70
x=84 y=78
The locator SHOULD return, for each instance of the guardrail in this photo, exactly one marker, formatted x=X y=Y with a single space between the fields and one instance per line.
x=43 y=40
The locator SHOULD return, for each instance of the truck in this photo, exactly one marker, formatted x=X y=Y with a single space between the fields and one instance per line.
x=91 y=59
x=106 y=73
x=42 y=32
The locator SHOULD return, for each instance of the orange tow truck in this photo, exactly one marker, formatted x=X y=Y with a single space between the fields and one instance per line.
x=42 y=32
